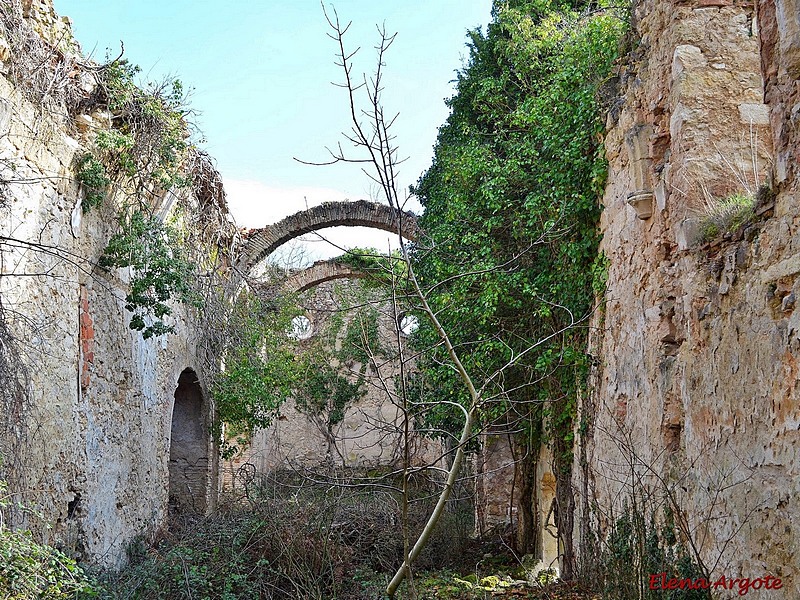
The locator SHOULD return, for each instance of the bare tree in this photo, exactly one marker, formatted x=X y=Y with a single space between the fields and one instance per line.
x=377 y=154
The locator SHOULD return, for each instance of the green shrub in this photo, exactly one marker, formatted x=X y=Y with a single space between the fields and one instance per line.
x=725 y=216
x=94 y=178
x=31 y=570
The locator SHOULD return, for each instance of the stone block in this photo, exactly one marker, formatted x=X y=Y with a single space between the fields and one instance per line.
x=687 y=57
x=5 y=50
x=754 y=114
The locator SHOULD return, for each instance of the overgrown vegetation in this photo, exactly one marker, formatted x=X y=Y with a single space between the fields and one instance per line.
x=32 y=570
x=44 y=75
x=319 y=542
x=642 y=545
x=505 y=285
x=260 y=369
x=145 y=151
x=725 y=216
x=294 y=540
x=265 y=365
x=160 y=271
x=511 y=207
x=93 y=177
x=29 y=569
x=144 y=155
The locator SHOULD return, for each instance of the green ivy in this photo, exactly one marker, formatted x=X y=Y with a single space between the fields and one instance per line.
x=512 y=196
x=159 y=271
x=32 y=570
x=640 y=545
x=512 y=206
x=328 y=386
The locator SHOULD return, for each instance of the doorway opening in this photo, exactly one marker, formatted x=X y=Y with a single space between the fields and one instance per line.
x=188 y=450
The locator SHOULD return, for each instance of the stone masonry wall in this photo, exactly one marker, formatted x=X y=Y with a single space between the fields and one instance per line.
x=88 y=449
x=369 y=433
x=695 y=389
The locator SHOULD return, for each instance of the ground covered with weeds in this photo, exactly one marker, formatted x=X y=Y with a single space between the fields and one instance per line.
x=294 y=540
x=342 y=538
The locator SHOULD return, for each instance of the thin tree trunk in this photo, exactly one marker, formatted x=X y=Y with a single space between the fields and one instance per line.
x=526 y=538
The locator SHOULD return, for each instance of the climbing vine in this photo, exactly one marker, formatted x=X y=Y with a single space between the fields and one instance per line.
x=511 y=206
x=144 y=154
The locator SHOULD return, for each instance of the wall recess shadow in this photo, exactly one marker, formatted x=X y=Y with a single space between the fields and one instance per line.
x=188 y=451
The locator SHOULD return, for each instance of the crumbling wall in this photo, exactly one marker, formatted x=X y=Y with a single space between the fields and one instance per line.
x=369 y=435
x=499 y=469
x=695 y=388
x=86 y=448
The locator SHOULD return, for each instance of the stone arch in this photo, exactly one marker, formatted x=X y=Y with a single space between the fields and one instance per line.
x=320 y=272
x=189 y=447
x=260 y=243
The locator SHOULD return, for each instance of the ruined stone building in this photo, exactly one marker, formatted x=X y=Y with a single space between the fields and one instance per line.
x=368 y=432
x=694 y=391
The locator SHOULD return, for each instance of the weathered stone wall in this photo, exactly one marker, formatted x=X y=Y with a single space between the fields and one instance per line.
x=695 y=389
x=89 y=446
x=499 y=473
x=369 y=433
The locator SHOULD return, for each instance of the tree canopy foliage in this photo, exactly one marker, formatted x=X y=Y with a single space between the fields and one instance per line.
x=511 y=199
x=511 y=208
x=266 y=363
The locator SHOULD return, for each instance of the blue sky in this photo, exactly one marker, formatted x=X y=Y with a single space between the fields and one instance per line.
x=261 y=73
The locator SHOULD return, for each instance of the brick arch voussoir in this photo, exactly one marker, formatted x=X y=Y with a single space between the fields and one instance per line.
x=318 y=273
x=260 y=243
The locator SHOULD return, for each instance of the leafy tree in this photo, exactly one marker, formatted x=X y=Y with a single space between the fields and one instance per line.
x=260 y=369
x=265 y=365
x=511 y=211
x=511 y=208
